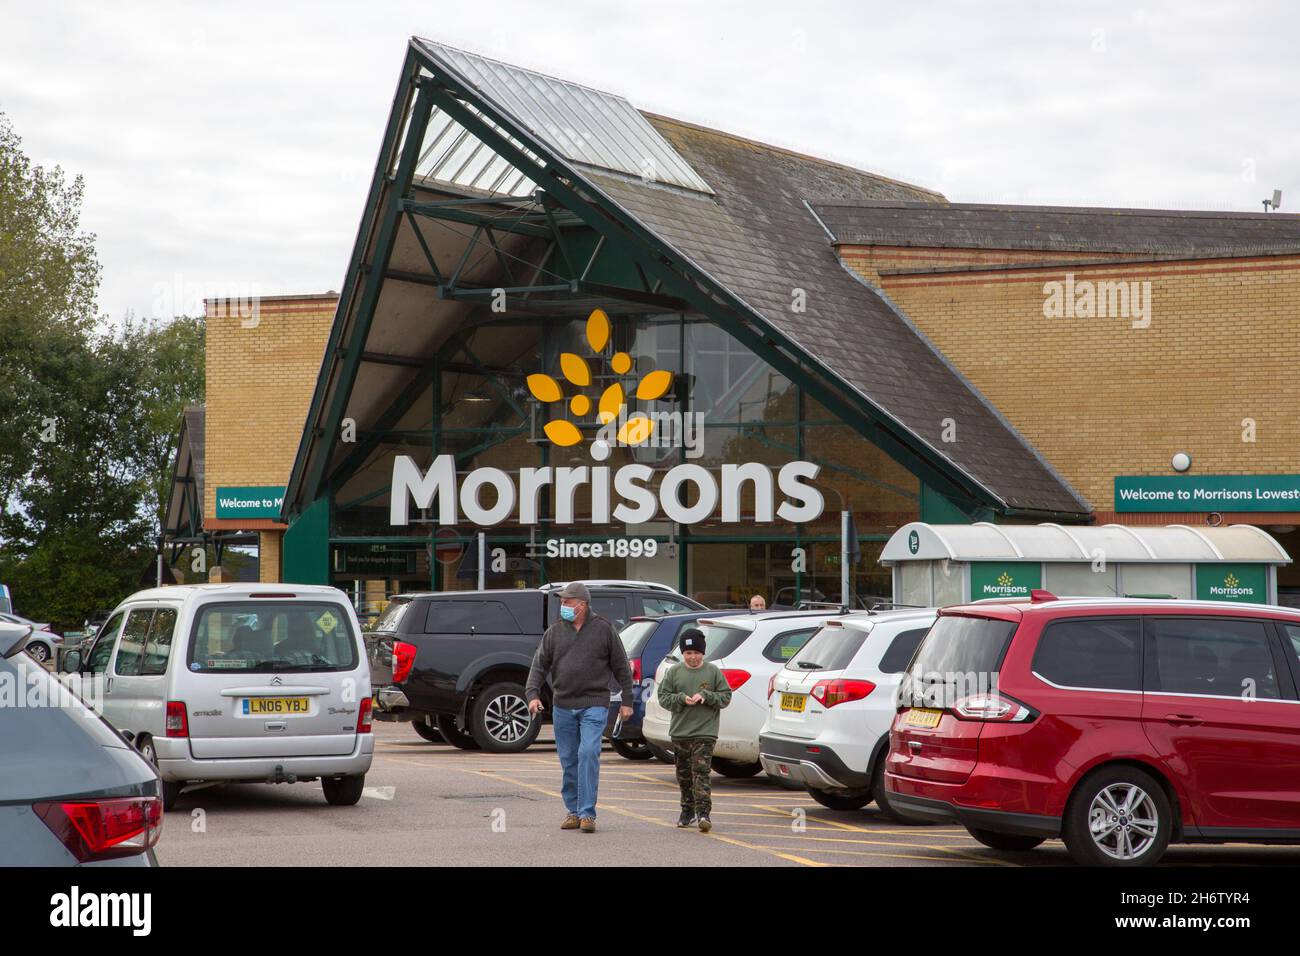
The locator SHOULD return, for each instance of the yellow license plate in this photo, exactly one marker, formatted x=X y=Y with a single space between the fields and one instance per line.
x=793 y=702
x=277 y=705
x=923 y=718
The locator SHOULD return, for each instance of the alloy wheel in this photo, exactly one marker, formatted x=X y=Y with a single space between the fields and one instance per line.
x=506 y=718
x=1123 y=821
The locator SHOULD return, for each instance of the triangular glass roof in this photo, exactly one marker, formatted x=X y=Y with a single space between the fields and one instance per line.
x=585 y=126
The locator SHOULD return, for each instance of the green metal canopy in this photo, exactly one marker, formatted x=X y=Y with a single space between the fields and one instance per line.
x=500 y=185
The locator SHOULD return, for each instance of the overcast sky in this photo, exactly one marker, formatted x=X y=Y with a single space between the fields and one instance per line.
x=227 y=147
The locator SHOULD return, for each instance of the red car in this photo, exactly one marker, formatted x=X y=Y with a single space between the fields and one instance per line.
x=1117 y=725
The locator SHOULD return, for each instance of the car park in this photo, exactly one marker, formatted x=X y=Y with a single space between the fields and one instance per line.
x=830 y=708
x=748 y=649
x=235 y=682
x=73 y=792
x=646 y=640
x=1118 y=725
x=455 y=662
x=43 y=644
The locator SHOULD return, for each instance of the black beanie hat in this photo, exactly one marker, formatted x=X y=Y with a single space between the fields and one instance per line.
x=692 y=640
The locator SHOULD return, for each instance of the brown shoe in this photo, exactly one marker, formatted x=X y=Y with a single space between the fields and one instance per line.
x=588 y=825
x=570 y=822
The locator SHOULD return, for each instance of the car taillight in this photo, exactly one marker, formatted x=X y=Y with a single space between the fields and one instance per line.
x=994 y=708
x=735 y=678
x=104 y=829
x=771 y=685
x=178 y=724
x=828 y=693
x=635 y=664
x=403 y=660
x=363 y=718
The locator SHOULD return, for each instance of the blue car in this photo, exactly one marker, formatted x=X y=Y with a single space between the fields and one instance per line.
x=647 y=640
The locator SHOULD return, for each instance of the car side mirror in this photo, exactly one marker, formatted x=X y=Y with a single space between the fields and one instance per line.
x=72 y=662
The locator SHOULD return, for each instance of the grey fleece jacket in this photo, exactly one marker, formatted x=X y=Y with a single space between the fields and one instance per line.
x=579 y=664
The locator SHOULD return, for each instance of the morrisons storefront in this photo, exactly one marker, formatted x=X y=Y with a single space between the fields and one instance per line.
x=576 y=340
x=620 y=346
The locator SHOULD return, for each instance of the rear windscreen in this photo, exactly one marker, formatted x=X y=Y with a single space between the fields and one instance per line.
x=635 y=636
x=266 y=637
x=719 y=641
x=391 y=619
x=959 y=656
x=830 y=649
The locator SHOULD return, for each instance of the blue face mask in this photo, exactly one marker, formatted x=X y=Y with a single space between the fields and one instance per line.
x=568 y=613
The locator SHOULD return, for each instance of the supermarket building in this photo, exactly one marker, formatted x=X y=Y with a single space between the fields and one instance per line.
x=567 y=323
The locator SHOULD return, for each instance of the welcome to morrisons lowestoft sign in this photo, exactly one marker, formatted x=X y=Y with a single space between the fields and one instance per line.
x=636 y=503
x=1207 y=493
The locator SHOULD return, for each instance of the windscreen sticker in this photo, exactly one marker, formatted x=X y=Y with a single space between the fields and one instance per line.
x=327 y=622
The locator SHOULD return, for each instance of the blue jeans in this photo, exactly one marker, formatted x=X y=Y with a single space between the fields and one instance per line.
x=577 y=739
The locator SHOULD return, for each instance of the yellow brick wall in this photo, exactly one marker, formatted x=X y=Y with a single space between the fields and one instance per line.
x=259 y=383
x=1099 y=398
x=870 y=261
x=268 y=556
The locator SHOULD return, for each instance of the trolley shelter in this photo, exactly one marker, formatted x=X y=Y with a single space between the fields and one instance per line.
x=935 y=565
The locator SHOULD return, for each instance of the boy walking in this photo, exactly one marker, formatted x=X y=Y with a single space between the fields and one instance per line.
x=694 y=693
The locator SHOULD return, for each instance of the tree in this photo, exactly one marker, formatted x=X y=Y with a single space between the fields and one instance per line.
x=87 y=419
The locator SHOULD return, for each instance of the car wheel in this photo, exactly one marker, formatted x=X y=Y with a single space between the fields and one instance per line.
x=1012 y=842
x=662 y=754
x=632 y=749
x=1119 y=816
x=841 y=799
x=881 y=795
x=454 y=735
x=40 y=652
x=500 y=720
x=425 y=727
x=736 y=768
x=171 y=791
x=343 y=791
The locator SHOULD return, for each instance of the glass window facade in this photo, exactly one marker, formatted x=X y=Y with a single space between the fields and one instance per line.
x=724 y=405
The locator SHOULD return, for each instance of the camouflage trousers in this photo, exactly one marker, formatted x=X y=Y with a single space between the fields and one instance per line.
x=694 y=764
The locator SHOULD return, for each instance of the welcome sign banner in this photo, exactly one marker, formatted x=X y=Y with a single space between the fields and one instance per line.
x=1134 y=493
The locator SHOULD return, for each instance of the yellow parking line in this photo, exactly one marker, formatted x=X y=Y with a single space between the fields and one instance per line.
x=896 y=856
x=953 y=851
x=637 y=816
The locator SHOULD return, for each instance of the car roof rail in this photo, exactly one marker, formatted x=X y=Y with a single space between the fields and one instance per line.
x=611 y=583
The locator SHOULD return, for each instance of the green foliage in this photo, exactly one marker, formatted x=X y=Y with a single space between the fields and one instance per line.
x=88 y=420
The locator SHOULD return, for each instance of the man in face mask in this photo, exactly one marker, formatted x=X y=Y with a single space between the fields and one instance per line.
x=579 y=654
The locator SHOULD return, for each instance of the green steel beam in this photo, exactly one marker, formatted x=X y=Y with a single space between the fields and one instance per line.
x=401 y=99
x=374 y=280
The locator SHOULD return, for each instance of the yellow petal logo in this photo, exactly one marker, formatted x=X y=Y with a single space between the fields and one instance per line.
x=577 y=371
x=1005 y=580
x=1230 y=581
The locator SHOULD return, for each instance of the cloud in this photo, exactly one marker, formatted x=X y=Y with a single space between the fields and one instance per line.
x=234 y=143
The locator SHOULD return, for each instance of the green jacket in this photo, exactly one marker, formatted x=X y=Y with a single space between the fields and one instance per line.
x=694 y=720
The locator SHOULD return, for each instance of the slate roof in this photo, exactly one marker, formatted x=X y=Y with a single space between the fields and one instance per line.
x=758 y=237
x=1160 y=232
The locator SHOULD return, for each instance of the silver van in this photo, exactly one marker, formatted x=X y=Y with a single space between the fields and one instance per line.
x=239 y=682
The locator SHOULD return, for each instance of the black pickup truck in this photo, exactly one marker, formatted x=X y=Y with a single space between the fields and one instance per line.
x=455 y=662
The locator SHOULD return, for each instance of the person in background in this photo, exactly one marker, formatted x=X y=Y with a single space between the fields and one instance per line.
x=582 y=656
x=694 y=692
x=757 y=603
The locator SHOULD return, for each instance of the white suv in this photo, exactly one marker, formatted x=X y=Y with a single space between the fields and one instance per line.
x=748 y=649
x=829 y=709
x=240 y=682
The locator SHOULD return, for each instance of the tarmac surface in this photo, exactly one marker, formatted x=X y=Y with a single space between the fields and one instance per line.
x=433 y=805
